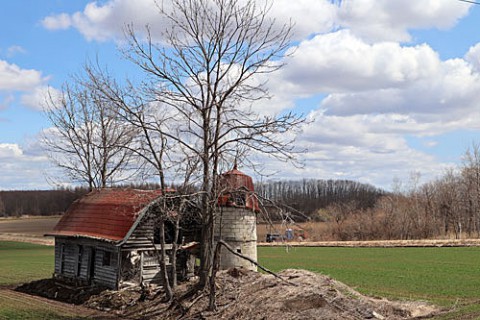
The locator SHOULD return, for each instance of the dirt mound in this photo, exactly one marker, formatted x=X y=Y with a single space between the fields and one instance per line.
x=306 y=296
x=241 y=294
x=245 y=294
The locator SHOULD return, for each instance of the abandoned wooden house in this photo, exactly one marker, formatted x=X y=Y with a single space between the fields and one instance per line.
x=110 y=237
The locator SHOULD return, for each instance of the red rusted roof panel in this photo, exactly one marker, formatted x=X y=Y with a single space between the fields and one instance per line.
x=235 y=180
x=106 y=214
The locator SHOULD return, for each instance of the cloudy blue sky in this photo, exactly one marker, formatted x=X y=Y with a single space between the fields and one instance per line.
x=391 y=86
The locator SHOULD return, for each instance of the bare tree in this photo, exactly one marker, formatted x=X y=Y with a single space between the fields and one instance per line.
x=88 y=140
x=194 y=111
x=470 y=173
x=203 y=75
x=204 y=72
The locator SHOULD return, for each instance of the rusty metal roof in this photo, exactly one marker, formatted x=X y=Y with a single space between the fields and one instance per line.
x=106 y=214
x=236 y=180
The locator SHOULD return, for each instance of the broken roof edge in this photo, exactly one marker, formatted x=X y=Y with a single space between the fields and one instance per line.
x=139 y=218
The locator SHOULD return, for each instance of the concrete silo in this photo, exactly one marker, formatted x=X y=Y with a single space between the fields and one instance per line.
x=235 y=222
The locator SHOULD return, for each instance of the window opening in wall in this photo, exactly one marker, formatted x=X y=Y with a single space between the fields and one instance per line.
x=79 y=261
x=239 y=198
x=62 y=257
x=107 y=259
x=169 y=233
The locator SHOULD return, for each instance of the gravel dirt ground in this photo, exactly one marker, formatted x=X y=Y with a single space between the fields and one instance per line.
x=240 y=294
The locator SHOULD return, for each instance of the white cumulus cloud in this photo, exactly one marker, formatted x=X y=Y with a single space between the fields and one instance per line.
x=370 y=19
x=340 y=61
x=37 y=97
x=107 y=21
x=22 y=169
x=378 y=20
x=9 y=150
x=12 y=77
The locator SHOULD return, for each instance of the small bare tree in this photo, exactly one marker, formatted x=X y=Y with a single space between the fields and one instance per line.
x=88 y=139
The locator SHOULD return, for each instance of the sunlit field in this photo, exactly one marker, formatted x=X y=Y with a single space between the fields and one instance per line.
x=449 y=277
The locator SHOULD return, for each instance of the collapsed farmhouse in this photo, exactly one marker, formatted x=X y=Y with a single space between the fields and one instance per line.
x=111 y=237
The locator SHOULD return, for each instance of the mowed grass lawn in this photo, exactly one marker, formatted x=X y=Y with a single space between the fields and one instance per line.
x=447 y=277
x=24 y=262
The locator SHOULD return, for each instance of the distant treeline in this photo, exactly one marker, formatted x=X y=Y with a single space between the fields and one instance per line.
x=48 y=202
x=306 y=196
x=37 y=202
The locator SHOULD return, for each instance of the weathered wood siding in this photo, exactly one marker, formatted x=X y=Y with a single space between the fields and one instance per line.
x=142 y=236
x=78 y=253
x=106 y=274
x=73 y=260
x=142 y=242
x=65 y=258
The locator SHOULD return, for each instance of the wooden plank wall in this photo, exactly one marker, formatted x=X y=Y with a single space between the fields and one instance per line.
x=142 y=236
x=106 y=274
x=140 y=241
x=70 y=247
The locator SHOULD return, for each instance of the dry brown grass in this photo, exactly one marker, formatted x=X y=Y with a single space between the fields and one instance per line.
x=315 y=231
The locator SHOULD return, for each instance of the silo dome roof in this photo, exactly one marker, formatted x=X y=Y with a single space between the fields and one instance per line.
x=237 y=181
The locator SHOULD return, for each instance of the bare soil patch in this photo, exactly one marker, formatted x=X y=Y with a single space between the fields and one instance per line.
x=51 y=289
x=34 y=226
x=28 y=229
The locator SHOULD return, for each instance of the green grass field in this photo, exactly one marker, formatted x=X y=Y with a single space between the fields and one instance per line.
x=447 y=277
x=24 y=262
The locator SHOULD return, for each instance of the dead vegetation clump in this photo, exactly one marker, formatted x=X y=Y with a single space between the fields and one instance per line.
x=306 y=295
x=243 y=294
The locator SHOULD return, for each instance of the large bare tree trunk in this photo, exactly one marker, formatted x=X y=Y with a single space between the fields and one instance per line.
x=201 y=75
